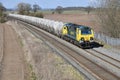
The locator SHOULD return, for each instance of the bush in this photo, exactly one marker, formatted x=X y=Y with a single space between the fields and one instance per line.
x=31 y=14
x=39 y=14
x=3 y=18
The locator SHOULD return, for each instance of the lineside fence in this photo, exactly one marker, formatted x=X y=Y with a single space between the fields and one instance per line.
x=107 y=39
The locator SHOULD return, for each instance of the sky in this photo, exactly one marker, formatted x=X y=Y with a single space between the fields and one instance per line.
x=47 y=3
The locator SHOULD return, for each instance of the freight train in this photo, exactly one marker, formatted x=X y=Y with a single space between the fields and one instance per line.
x=80 y=35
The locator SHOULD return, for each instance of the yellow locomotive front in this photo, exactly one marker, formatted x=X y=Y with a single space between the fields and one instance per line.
x=78 y=34
x=84 y=34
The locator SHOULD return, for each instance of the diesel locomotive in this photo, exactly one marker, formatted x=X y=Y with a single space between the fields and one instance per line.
x=78 y=34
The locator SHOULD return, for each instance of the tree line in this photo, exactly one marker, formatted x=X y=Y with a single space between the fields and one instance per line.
x=27 y=9
x=2 y=14
x=109 y=16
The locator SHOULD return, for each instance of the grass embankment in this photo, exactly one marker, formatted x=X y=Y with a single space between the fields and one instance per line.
x=67 y=69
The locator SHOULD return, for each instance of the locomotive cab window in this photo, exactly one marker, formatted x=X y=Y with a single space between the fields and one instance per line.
x=86 y=31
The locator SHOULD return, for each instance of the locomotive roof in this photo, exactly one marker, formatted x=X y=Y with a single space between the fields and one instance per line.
x=77 y=26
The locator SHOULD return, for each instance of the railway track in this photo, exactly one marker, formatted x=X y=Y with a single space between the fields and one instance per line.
x=79 y=56
x=105 y=57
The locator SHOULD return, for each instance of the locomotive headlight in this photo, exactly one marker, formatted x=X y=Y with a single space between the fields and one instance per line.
x=91 y=39
x=82 y=40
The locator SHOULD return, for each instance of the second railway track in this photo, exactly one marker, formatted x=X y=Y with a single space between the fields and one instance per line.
x=104 y=57
x=94 y=69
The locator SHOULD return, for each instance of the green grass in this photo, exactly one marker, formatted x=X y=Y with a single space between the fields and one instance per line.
x=65 y=12
x=68 y=12
x=32 y=74
x=21 y=43
x=47 y=12
x=74 y=12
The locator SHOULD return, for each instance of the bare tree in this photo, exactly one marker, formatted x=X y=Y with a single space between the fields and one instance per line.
x=2 y=14
x=109 y=15
x=27 y=8
x=36 y=8
x=59 y=9
x=21 y=8
x=2 y=8
x=24 y=8
x=89 y=9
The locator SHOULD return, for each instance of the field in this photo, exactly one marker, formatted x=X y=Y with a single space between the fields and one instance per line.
x=65 y=12
x=74 y=16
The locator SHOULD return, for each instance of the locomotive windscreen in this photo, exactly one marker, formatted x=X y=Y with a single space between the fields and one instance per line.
x=86 y=31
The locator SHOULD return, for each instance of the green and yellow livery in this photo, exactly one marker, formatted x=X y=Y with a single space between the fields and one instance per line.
x=78 y=33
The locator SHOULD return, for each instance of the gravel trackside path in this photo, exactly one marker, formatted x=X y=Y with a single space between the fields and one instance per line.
x=1 y=44
x=13 y=64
